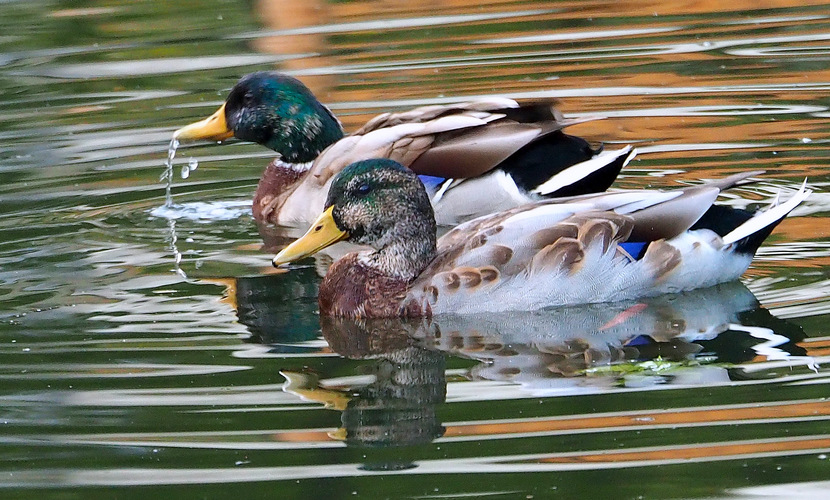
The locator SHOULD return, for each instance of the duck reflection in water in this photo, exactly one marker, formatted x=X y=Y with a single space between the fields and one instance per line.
x=693 y=338
x=398 y=407
x=706 y=336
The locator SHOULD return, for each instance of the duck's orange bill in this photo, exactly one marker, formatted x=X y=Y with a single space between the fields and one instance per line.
x=212 y=128
x=323 y=233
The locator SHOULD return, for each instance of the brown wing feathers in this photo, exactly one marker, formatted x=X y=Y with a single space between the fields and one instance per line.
x=471 y=263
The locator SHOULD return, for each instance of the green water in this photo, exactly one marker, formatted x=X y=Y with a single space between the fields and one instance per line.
x=146 y=353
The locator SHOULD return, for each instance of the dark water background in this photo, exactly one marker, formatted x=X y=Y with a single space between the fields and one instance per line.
x=151 y=356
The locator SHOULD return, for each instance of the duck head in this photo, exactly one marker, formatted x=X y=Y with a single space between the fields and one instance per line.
x=274 y=110
x=379 y=203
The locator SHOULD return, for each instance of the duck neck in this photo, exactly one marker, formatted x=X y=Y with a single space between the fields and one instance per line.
x=406 y=253
x=304 y=133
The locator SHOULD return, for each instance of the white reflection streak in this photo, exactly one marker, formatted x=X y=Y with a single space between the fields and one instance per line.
x=712 y=146
x=771 y=20
x=799 y=301
x=102 y=371
x=757 y=109
x=192 y=398
x=387 y=24
x=480 y=465
x=159 y=66
x=581 y=35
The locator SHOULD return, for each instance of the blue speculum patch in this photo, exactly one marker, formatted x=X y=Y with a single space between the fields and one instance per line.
x=431 y=182
x=636 y=249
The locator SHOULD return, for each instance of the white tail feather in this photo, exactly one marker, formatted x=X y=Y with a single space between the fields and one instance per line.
x=443 y=189
x=574 y=173
x=768 y=216
x=777 y=200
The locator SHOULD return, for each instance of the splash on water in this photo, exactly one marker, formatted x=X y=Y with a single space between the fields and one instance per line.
x=202 y=211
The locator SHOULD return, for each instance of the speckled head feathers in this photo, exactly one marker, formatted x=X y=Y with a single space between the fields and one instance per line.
x=378 y=200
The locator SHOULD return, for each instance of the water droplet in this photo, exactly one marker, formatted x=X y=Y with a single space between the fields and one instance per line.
x=806 y=140
x=185 y=172
x=822 y=457
x=193 y=164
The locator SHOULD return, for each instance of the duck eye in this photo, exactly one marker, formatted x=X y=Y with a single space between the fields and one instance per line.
x=363 y=189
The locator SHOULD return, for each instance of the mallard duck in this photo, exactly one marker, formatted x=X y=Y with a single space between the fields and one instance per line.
x=475 y=157
x=587 y=249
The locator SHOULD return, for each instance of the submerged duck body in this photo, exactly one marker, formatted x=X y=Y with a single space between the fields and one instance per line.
x=585 y=249
x=474 y=157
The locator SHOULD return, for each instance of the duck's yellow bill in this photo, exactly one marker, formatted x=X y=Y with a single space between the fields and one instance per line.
x=323 y=233
x=212 y=128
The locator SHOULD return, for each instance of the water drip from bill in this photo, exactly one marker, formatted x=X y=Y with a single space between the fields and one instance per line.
x=167 y=175
x=195 y=211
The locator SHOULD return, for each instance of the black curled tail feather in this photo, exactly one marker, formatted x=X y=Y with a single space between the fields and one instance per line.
x=745 y=230
x=723 y=220
x=535 y=164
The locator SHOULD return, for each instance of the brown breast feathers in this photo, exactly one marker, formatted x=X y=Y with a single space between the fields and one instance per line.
x=353 y=290
x=274 y=182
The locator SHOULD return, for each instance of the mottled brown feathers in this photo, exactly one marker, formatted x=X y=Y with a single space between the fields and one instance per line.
x=662 y=258
x=353 y=290
x=550 y=235
x=476 y=256
x=564 y=253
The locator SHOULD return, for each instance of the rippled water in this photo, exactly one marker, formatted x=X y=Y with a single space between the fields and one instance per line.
x=153 y=351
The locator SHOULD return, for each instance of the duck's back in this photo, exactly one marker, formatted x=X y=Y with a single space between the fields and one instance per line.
x=495 y=146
